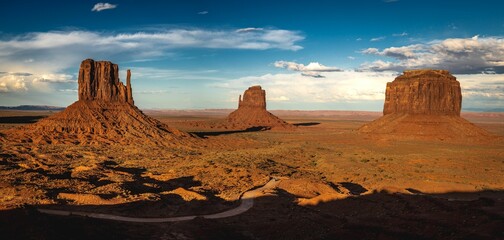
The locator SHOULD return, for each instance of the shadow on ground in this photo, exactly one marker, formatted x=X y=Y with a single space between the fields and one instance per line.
x=306 y=124
x=217 y=133
x=381 y=215
x=21 y=119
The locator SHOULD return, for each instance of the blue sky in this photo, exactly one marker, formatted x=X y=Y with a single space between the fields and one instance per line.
x=202 y=54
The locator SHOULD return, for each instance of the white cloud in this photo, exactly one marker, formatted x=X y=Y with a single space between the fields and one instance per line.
x=103 y=6
x=356 y=88
x=351 y=58
x=250 y=29
x=56 y=52
x=151 y=92
x=376 y=39
x=459 y=55
x=335 y=87
x=279 y=99
x=203 y=12
x=12 y=83
x=313 y=69
x=489 y=86
x=403 y=34
x=55 y=78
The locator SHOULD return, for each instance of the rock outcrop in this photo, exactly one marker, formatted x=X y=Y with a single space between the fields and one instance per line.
x=252 y=112
x=423 y=92
x=254 y=97
x=104 y=113
x=99 y=80
x=424 y=104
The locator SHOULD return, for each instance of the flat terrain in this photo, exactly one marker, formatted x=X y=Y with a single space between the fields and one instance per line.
x=337 y=183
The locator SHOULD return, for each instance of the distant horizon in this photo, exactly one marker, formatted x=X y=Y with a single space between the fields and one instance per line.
x=477 y=110
x=197 y=54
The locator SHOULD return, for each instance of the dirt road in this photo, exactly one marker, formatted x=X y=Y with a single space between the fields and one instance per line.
x=247 y=202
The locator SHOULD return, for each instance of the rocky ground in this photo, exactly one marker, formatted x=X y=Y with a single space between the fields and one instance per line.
x=340 y=183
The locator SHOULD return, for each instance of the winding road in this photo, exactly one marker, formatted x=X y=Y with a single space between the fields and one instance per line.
x=247 y=202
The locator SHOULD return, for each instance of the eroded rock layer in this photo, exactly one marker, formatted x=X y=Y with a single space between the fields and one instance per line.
x=423 y=92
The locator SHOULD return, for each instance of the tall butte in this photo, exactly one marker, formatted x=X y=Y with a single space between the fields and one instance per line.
x=252 y=112
x=104 y=113
x=424 y=104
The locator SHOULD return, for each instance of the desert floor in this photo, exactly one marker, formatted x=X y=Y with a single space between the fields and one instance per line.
x=336 y=183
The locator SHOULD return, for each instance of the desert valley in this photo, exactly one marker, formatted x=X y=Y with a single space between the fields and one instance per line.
x=225 y=119
x=102 y=168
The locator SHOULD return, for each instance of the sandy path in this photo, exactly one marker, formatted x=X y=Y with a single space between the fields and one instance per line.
x=247 y=202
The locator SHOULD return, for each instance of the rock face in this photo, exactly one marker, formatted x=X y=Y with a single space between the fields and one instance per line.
x=252 y=112
x=424 y=104
x=423 y=92
x=99 y=80
x=254 y=97
x=104 y=113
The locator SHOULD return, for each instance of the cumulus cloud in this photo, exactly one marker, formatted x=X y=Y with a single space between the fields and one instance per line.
x=459 y=55
x=103 y=6
x=313 y=69
x=12 y=83
x=55 y=78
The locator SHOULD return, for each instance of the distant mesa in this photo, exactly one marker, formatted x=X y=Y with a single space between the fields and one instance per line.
x=252 y=112
x=424 y=104
x=104 y=113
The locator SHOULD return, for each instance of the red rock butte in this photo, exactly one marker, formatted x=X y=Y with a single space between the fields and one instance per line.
x=424 y=104
x=252 y=112
x=423 y=92
x=99 y=80
x=104 y=113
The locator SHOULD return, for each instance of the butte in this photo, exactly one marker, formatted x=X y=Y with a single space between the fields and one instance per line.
x=424 y=104
x=104 y=113
x=252 y=113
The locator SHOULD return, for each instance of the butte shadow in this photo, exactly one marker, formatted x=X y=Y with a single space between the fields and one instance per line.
x=424 y=105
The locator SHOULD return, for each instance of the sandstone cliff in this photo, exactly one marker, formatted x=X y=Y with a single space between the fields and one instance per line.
x=99 y=80
x=424 y=104
x=423 y=92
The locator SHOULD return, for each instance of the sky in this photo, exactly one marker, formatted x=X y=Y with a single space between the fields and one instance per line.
x=307 y=55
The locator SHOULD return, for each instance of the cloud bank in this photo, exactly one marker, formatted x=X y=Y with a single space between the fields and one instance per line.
x=458 y=55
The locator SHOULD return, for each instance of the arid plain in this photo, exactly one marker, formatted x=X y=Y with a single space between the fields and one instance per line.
x=102 y=168
x=336 y=182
